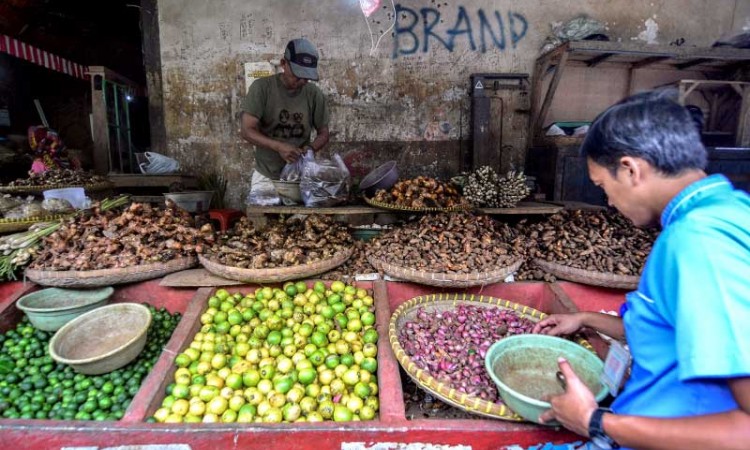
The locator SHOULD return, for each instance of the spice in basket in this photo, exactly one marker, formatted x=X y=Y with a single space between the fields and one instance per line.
x=451 y=345
x=284 y=243
x=422 y=192
x=459 y=243
x=108 y=239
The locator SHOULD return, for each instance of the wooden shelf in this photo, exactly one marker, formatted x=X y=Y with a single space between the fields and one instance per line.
x=633 y=56
x=121 y=180
x=522 y=208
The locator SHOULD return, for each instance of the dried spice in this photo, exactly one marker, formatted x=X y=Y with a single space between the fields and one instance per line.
x=283 y=243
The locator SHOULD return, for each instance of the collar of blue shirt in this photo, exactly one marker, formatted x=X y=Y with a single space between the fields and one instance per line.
x=693 y=193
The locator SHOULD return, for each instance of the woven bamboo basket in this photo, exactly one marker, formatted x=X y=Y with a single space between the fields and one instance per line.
x=392 y=207
x=107 y=277
x=609 y=280
x=276 y=274
x=93 y=187
x=444 y=279
x=443 y=302
x=13 y=225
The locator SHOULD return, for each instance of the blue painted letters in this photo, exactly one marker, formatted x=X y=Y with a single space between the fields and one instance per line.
x=409 y=37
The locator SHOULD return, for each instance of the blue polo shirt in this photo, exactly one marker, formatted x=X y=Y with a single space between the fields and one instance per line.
x=688 y=323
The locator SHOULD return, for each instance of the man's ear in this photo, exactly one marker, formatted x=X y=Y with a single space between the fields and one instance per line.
x=632 y=169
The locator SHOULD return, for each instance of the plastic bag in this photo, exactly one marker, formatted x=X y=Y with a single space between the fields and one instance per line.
x=56 y=205
x=293 y=171
x=578 y=28
x=158 y=163
x=324 y=182
x=26 y=210
x=262 y=192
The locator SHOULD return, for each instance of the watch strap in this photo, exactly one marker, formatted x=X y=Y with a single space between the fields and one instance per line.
x=596 y=430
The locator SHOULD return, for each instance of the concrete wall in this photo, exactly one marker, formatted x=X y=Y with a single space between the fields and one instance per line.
x=395 y=93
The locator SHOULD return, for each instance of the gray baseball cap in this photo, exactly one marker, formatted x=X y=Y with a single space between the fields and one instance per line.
x=303 y=59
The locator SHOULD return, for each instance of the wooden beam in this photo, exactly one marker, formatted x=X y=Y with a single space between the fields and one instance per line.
x=551 y=92
x=692 y=63
x=596 y=60
x=648 y=61
x=152 y=63
x=537 y=81
x=99 y=126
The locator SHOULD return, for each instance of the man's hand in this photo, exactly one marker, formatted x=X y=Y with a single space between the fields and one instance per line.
x=559 y=324
x=289 y=153
x=574 y=408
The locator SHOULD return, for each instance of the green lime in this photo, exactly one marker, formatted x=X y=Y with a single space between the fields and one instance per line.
x=342 y=414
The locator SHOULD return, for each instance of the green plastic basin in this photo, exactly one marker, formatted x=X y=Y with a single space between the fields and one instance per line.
x=524 y=368
x=50 y=309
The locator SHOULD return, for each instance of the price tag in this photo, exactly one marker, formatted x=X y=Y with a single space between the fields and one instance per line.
x=615 y=367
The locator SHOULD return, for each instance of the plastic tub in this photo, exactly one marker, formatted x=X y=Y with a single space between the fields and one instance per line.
x=524 y=368
x=288 y=190
x=102 y=340
x=50 y=309
x=383 y=177
x=192 y=201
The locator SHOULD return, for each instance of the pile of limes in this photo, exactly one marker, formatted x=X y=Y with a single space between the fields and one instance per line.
x=34 y=386
x=296 y=354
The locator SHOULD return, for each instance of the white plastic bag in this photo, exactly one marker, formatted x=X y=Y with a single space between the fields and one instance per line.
x=293 y=171
x=324 y=182
x=159 y=164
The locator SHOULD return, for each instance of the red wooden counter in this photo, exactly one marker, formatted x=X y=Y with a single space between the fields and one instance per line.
x=391 y=430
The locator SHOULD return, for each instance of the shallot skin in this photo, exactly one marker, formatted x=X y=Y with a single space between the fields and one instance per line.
x=451 y=345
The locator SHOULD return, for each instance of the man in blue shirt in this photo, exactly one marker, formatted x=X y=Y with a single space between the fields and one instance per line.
x=687 y=323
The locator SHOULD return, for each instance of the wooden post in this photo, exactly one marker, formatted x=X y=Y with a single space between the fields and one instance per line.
x=152 y=63
x=99 y=125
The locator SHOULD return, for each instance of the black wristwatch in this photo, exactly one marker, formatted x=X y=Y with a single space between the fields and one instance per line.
x=596 y=430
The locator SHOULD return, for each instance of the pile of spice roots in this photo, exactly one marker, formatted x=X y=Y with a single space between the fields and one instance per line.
x=283 y=243
x=449 y=243
x=139 y=234
x=451 y=345
x=422 y=192
x=598 y=241
x=357 y=264
x=59 y=177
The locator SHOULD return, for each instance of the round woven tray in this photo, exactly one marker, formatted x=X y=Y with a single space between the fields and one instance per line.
x=442 y=302
x=609 y=280
x=276 y=274
x=392 y=207
x=107 y=277
x=444 y=279
x=101 y=186
x=12 y=225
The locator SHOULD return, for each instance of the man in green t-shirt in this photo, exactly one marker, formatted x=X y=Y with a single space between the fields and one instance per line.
x=280 y=111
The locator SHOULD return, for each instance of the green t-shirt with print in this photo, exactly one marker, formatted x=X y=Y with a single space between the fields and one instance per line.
x=284 y=116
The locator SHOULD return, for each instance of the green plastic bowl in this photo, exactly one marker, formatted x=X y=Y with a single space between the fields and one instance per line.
x=50 y=309
x=524 y=368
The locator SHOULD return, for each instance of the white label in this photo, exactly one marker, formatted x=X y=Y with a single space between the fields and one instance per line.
x=135 y=447
x=255 y=70
x=479 y=85
x=400 y=446
x=615 y=367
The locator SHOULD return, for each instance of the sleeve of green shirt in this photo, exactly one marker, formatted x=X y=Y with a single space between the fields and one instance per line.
x=256 y=98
